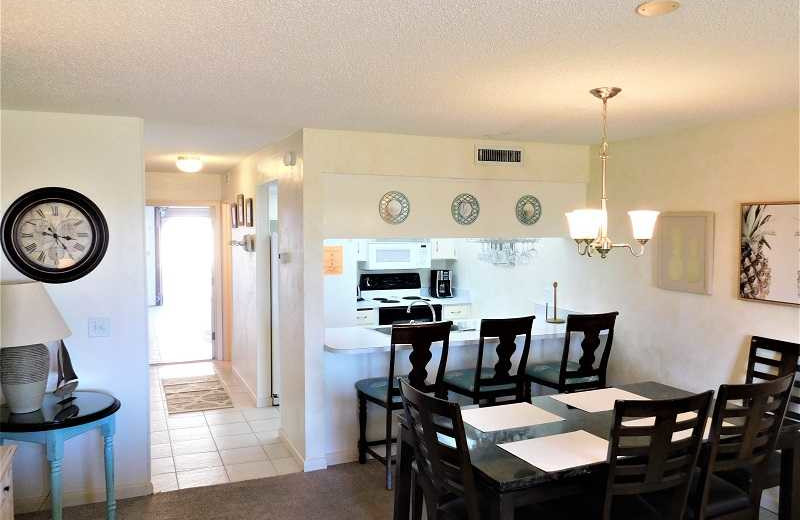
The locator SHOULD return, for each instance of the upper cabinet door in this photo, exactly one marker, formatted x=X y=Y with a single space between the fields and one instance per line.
x=443 y=249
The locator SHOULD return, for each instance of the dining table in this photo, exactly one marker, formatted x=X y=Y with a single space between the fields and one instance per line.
x=506 y=482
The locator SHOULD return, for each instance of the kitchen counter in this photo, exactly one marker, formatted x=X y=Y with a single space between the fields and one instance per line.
x=365 y=340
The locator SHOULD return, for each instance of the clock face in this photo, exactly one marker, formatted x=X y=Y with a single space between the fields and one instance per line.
x=54 y=235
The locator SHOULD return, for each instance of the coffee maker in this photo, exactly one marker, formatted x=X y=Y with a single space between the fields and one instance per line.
x=441 y=283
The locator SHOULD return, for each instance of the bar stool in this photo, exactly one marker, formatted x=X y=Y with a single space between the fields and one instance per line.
x=491 y=383
x=571 y=376
x=384 y=391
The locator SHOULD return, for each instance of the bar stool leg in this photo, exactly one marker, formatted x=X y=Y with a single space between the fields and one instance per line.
x=388 y=447
x=362 y=429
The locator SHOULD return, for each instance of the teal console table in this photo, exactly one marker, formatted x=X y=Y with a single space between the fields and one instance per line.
x=62 y=419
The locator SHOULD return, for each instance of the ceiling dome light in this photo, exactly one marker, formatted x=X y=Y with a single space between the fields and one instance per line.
x=189 y=164
x=657 y=7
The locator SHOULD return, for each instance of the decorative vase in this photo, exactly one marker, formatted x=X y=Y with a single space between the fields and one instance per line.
x=23 y=372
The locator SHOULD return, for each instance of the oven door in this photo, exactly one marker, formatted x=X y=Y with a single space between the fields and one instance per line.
x=398 y=255
x=398 y=315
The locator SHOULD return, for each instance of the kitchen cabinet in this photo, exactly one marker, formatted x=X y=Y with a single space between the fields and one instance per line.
x=360 y=249
x=456 y=312
x=443 y=249
x=367 y=317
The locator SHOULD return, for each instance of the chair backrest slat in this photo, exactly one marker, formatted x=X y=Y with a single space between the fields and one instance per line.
x=440 y=449
x=591 y=326
x=653 y=447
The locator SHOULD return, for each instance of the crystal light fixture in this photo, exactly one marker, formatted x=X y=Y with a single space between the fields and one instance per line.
x=589 y=227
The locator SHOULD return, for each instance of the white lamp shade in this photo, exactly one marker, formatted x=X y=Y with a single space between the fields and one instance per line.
x=643 y=223
x=584 y=224
x=28 y=316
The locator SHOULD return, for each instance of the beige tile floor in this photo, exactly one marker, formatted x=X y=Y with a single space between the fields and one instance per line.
x=214 y=446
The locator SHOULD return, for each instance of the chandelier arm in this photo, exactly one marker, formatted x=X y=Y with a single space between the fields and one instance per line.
x=629 y=247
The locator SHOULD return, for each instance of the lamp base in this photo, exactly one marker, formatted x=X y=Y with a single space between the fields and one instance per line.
x=23 y=372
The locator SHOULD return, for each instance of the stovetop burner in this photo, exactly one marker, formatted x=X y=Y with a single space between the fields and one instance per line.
x=415 y=298
x=386 y=300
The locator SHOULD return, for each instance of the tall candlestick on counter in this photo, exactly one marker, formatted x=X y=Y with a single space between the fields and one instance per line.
x=555 y=318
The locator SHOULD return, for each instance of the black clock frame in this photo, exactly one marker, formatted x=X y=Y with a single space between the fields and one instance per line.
x=94 y=216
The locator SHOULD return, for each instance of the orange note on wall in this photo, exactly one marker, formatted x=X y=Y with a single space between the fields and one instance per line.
x=332 y=260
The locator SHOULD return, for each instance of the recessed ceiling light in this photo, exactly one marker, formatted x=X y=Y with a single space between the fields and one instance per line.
x=189 y=164
x=657 y=7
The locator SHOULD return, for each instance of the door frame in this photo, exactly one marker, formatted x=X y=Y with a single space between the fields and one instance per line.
x=218 y=341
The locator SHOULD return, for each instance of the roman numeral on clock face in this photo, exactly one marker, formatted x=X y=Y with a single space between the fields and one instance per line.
x=40 y=212
x=78 y=247
x=30 y=248
x=26 y=235
x=54 y=210
x=41 y=256
x=83 y=234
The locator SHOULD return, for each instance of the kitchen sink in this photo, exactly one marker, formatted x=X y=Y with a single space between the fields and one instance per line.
x=455 y=327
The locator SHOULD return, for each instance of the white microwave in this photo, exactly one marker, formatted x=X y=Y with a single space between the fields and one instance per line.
x=398 y=255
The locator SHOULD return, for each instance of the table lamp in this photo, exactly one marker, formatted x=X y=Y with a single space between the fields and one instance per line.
x=28 y=318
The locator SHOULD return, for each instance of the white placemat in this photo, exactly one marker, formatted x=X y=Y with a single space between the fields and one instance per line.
x=560 y=452
x=677 y=436
x=597 y=400
x=507 y=416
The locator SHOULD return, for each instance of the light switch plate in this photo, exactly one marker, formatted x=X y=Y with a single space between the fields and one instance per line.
x=99 y=327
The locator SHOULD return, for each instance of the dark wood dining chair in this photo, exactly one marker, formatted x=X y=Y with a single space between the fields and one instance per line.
x=767 y=360
x=443 y=470
x=650 y=463
x=587 y=373
x=502 y=380
x=744 y=431
x=442 y=466
x=384 y=391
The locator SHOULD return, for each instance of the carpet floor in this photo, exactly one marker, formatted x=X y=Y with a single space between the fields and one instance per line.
x=345 y=491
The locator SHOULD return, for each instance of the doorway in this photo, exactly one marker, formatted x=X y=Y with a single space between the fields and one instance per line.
x=180 y=255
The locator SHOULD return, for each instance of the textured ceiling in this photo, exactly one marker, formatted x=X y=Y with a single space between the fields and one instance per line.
x=222 y=78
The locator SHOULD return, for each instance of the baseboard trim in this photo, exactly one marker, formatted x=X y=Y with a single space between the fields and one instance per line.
x=307 y=464
x=261 y=401
x=24 y=505
x=341 y=457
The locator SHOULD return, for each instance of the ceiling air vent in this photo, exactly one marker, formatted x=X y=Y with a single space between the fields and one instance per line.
x=509 y=156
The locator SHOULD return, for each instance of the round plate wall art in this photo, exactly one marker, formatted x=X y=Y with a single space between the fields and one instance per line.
x=394 y=207
x=529 y=209
x=465 y=209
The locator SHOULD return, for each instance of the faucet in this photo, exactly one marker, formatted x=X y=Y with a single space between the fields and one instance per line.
x=433 y=311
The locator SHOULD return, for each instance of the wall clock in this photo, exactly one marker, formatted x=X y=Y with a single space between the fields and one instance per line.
x=54 y=235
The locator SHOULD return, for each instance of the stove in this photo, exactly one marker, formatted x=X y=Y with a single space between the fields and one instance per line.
x=392 y=293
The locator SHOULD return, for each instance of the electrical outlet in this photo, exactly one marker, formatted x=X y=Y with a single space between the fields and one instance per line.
x=99 y=327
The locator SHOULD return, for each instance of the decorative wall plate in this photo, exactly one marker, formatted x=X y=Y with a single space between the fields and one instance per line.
x=529 y=209
x=465 y=209
x=394 y=207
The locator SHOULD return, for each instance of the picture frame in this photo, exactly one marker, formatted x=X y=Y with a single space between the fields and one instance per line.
x=769 y=252
x=685 y=251
x=240 y=209
x=248 y=213
x=234 y=216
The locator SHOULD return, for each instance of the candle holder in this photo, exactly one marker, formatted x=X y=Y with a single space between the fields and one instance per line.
x=555 y=318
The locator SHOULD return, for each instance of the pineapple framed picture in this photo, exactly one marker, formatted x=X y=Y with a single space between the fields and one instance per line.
x=769 y=257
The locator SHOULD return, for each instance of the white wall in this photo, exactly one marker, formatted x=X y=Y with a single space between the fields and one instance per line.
x=100 y=157
x=690 y=340
x=182 y=187
x=252 y=336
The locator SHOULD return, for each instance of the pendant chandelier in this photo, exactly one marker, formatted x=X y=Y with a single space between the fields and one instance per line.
x=589 y=227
